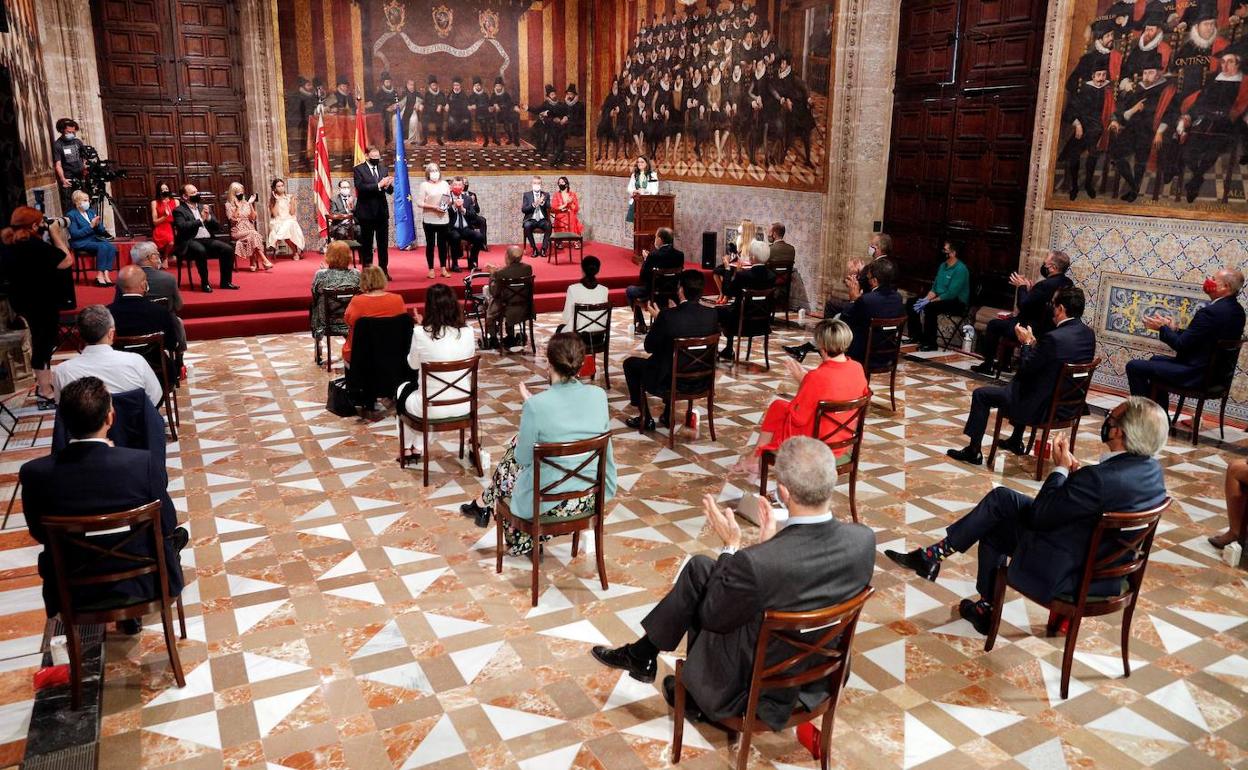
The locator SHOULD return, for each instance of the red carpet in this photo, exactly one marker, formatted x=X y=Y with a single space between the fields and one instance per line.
x=277 y=302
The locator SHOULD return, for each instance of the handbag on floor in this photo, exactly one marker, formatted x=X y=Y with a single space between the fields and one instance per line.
x=338 y=400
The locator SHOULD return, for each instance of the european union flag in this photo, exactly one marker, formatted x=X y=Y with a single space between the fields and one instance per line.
x=404 y=221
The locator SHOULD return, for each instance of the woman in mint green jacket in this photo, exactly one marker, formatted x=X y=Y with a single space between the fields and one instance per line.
x=950 y=294
x=568 y=411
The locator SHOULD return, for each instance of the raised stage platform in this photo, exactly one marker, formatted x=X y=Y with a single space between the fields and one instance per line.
x=277 y=301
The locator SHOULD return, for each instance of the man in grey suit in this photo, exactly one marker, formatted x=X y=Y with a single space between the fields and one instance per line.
x=781 y=253
x=812 y=563
x=159 y=283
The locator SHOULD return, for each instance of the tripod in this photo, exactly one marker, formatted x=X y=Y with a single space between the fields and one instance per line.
x=103 y=194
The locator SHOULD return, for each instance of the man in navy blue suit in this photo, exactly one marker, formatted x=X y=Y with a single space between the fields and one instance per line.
x=1221 y=319
x=1032 y=300
x=91 y=476
x=1027 y=398
x=880 y=300
x=1047 y=538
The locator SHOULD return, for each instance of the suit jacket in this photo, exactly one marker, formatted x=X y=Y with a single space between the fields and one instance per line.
x=137 y=424
x=877 y=303
x=1033 y=303
x=185 y=227
x=1031 y=391
x=804 y=567
x=688 y=319
x=666 y=257
x=81 y=231
x=527 y=207
x=514 y=313
x=162 y=284
x=1053 y=543
x=342 y=229
x=370 y=200
x=134 y=316
x=1194 y=346
x=781 y=254
x=379 y=349
x=89 y=478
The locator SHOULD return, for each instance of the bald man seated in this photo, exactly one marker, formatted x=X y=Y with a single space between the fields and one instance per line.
x=1222 y=319
x=134 y=315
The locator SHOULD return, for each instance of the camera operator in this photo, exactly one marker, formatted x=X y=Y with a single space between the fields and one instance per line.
x=40 y=285
x=68 y=161
x=193 y=231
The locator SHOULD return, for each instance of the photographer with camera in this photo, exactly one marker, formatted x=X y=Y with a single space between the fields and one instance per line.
x=37 y=273
x=193 y=231
x=87 y=234
x=67 y=161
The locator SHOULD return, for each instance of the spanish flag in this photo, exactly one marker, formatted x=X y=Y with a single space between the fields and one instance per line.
x=361 y=134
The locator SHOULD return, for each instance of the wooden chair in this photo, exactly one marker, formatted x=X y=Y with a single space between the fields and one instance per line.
x=693 y=377
x=475 y=302
x=1214 y=383
x=593 y=323
x=333 y=307
x=84 y=261
x=827 y=425
x=884 y=342
x=821 y=641
x=784 y=289
x=1118 y=551
x=515 y=294
x=570 y=241
x=70 y=545
x=754 y=320
x=1066 y=408
x=152 y=348
x=444 y=384
x=664 y=283
x=590 y=458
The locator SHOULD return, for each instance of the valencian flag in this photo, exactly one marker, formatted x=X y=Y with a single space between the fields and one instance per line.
x=320 y=182
x=361 y=135
x=404 y=221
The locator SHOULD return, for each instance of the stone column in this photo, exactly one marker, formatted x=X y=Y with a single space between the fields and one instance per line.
x=266 y=118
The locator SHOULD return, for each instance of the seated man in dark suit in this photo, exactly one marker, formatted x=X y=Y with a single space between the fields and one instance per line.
x=1221 y=319
x=752 y=278
x=91 y=476
x=159 y=283
x=664 y=257
x=1026 y=399
x=1033 y=309
x=690 y=318
x=463 y=225
x=193 y=231
x=880 y=300
x=535 y=206
x=1047 y=538
x=814 y=562
x=135 y=315
x=514 y=269
x=856 y=276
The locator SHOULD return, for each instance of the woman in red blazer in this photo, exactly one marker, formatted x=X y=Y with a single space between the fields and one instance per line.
x=837 y=378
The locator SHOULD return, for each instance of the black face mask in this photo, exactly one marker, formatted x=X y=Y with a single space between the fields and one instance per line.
x=194 y=198
x=238 y=195
x=166 y=194
x=1044 y=271
x=1105 y=428
x=374 y=161
x=563 y=186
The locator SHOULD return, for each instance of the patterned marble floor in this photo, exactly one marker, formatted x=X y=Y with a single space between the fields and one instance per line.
x=343 y=616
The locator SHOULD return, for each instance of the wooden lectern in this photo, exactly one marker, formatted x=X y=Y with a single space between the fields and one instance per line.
x=650 y=212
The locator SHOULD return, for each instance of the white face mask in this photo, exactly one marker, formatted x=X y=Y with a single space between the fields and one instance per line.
x=537 y=188
x=435 y=176
x=344 y=191
x=84 y=205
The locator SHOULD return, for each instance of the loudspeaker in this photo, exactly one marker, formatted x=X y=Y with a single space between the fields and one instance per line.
x=709 y=250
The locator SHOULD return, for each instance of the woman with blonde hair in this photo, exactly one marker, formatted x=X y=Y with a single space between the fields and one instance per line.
x=240 y=211
x=87 y=233
x=837 y=378
x=434 y=199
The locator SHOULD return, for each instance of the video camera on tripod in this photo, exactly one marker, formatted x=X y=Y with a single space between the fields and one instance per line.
x=97 y=173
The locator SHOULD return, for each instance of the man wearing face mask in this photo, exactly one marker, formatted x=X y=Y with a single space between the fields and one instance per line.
x=463 y=213
x=1026 y=399
x=193 y=231
x=535 y=206
x=372 y=210
x=341 y=214
x=1222 y=319
x=1047 y=538
x=67 y=160
x=1032 y=301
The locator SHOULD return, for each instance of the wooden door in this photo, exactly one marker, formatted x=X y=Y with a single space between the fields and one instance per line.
x=174 y=103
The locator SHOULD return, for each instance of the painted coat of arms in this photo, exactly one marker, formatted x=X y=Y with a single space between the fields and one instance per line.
x=396 y=15
x=488 y=20
x=443 y=18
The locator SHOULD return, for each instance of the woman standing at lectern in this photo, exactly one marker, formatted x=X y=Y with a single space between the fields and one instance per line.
x=643 y=181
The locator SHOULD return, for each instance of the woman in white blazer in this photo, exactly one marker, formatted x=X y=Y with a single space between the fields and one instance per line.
x=643 y=181
x=586 y=291
x=440 y=336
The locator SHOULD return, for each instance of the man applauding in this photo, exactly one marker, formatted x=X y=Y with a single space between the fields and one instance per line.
x=814 y=562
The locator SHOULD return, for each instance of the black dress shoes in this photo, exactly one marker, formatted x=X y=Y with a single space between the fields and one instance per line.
x=926 y=348
x=726 y=354
x=620 y=657
x=1014 y=445
x=967 y=455
x=978 y=614
x=180 y=538
x=985 y=367
x=692 y=711
x=206 y=289
x=229 y=286
x=480 y=516
x=798 y=351
x=925 y=568
x=635 y=423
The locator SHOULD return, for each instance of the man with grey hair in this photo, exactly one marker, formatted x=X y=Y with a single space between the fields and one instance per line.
x=159 y=282
x=812 y=563
x=1047 y=538
x=119 y=370
x=1194 y=347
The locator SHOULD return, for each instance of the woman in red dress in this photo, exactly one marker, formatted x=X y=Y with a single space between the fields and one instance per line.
x=837 y=378
x=162 y=220
x=566 y=206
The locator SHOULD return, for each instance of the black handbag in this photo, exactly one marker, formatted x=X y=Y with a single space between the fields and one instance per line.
x=338 y=399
